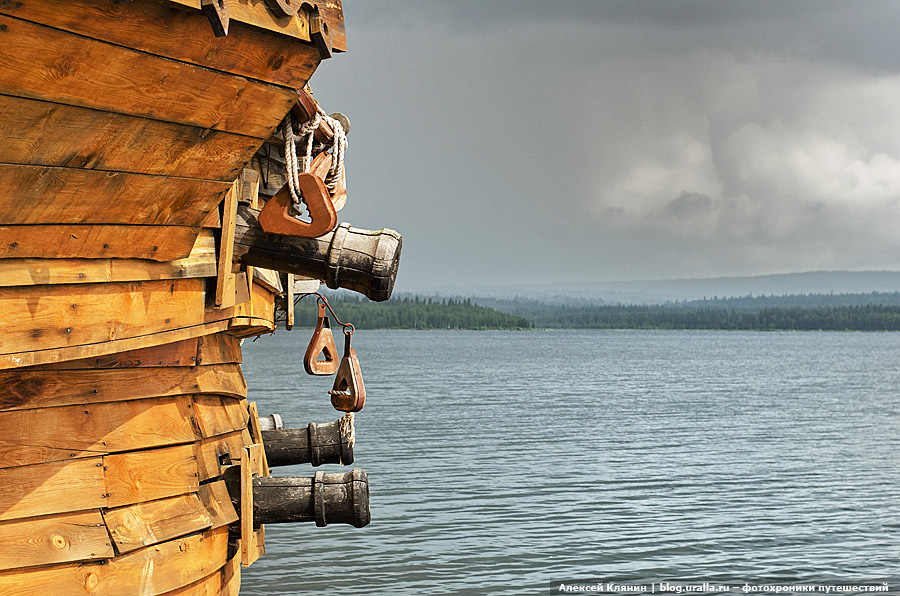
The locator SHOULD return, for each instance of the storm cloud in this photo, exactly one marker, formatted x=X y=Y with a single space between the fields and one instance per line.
x=518 y=141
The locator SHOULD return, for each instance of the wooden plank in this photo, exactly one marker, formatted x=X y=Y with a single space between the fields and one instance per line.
x=44 y=63
x=225 y=283
x=256 y=435
x=141 y=476
x=252 y=539
x=179 y=353
x=135 y=526
x=148 y=571
x=219 y=349
x=31 y=272
x=54 y=539
x=216 y=454
x=255 y=12
x=40 y=318
x=33 y=358
x=28 y=389
x=217 y=502
x=220 y=415
x=46 y=241
x=49 y=434
x=224 y=582
x=51 y=195
x=333 y=14
x=51 y=134
x=151 y=26
x=56 y=487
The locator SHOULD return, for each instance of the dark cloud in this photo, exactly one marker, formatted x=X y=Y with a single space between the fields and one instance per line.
x=517 y=141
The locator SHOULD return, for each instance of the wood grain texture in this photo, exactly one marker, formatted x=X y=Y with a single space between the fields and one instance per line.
x=217 y=502
x=148 y=571
x=51 y=134
x=216 y=454
x=157 y=243
x=201 y=262
x=61 y=538
x=40 y=318
x=57 y=487
x=141 y=476
x=256 y=13
x=35 y=358
x=220 y=415
x=29 y=389
x=252 y=537
x=151 y=26
x=44 y=63
x=221 y=348
x=49 y=434
x=51 y=195
x=226 y=290
x=179 y=353
x=135 y=526
x=333 y=13
x=224 y=582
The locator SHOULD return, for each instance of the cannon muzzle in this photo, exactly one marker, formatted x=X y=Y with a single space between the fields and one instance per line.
x=317 y=444
x=360 y=260
x=324 y=499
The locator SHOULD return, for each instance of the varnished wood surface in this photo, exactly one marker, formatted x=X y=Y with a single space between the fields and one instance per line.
x=56 y=487
x=51 y=195
x=51 y=134
x=201 y=262
x=148 y=571
x=147 y=475
x=143 y=524
x=48 y=241
x=151 y=26
x=44 y=63
x=78 y=536
x=28 y=389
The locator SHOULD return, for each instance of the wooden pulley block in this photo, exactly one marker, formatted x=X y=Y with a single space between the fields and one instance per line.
x=307 y=107
x=284 y=8
x=276 y=218
x=321 y=164
x=322 y=343
x=217 y=13
x=348 y=393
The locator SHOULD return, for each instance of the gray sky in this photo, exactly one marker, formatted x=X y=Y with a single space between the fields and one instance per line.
x=513 y=141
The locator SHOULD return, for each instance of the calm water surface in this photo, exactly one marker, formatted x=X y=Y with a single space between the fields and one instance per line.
x=512 y=462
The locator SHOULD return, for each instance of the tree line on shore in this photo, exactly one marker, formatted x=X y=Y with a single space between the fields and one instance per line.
x=858 y=312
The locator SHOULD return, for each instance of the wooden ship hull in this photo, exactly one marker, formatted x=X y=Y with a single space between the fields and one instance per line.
x=135 y=154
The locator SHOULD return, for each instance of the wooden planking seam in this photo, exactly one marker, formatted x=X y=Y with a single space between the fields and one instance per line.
x=258 y=123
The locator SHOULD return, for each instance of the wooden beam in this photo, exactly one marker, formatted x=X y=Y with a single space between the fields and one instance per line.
x=51 y=134
x=48 y=434
x=28 y=389
x=140 y=525
x=141 y=476
x=56 y=487
x=45 y=63
x=224 y=582
x=34 y=272
x=149 y=571
x=255 y=12
x=40 y=318
x=333 y=14
x=151 y=26
x=156 y=243
x=179 y=353
x=54 y=539
x=221 y=348
x=215 y=454
x=220 y=415
x=226 y=291
x=51 y=195
x=252 y=537
x=217 y=502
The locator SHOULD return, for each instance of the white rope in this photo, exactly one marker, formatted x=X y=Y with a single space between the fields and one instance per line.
x=295 y=166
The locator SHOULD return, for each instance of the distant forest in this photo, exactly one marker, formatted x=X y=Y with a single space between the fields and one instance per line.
x=807 y=312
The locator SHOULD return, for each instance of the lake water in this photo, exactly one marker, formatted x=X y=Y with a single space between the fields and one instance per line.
x=514 y=462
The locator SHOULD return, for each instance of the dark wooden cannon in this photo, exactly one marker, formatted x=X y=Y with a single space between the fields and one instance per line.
x=323 y=498
x=317 y=444
x=351 y=258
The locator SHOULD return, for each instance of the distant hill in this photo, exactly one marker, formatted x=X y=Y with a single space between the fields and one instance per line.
x=661 y=291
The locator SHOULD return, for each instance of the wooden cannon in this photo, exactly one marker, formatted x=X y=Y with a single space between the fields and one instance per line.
x=360 y=260
x=323 y=498
x=317 y=444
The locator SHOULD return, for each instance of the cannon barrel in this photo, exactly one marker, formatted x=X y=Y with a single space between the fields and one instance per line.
x=317 y=444
x=324 y=499
x=351 y=258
